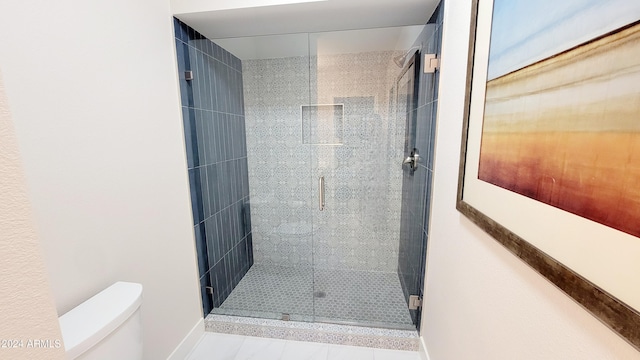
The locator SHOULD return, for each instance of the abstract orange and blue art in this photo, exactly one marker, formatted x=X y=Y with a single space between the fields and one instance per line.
x=562 y=110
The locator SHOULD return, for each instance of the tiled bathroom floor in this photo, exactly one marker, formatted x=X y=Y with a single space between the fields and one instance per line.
x=363 y=298
x=214 y=346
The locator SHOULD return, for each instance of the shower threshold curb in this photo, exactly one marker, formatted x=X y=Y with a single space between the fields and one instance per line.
x=314 y=332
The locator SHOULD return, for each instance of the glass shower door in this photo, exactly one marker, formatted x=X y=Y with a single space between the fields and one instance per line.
x=356 y=145
x=279 y=285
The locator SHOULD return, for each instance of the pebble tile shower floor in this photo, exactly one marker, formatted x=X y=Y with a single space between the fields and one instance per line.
x=338 y=296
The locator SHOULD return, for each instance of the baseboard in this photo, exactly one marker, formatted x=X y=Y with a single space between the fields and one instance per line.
x=189 y=342
x=424 y=354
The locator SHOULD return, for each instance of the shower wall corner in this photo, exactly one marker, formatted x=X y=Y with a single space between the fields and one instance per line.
x=214 y=128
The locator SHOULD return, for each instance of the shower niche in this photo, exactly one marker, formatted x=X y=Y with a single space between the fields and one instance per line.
x=295 y=146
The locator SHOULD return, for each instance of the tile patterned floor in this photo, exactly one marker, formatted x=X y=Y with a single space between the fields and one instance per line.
x=213 y=346
x=341 y=296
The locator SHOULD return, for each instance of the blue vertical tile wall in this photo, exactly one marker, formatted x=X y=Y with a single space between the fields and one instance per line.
x=214 y=130
x=416 y=187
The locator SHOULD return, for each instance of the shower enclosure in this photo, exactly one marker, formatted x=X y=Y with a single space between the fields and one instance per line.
x=303 y=208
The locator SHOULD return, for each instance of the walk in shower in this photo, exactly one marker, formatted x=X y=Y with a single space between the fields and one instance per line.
x=304 y=208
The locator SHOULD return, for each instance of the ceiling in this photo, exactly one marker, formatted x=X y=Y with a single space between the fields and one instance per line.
x=242 y=18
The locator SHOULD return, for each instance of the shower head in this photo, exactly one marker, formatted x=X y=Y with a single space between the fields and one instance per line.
x=401 y=60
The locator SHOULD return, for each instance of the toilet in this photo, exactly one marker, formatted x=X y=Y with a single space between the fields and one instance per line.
x=106 y=326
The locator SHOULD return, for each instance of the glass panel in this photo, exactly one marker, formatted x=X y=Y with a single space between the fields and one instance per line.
x=356 y=235
x=327 y=106
x=276 y=86
x=213 y=115
x=411 y=236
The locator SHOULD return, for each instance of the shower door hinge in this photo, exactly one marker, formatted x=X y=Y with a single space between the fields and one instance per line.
x=431 y=63
x=415 y=302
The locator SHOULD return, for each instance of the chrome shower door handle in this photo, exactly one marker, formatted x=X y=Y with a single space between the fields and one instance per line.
x=321 y=192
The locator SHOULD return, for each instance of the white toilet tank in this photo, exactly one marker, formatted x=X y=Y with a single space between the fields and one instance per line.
x=107 y=326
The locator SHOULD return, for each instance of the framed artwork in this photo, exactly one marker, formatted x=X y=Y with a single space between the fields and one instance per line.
x=550 y=161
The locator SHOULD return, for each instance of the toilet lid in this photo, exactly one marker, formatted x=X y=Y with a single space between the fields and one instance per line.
x=90 y=322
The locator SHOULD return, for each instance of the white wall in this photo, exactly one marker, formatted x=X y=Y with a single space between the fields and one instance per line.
x=93 y=90
x=26 y=301
x=481 y=302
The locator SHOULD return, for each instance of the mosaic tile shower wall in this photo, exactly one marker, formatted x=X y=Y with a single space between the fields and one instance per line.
x=214 y=127
x=279 y=172
x=359 y=228
x=416 y=200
